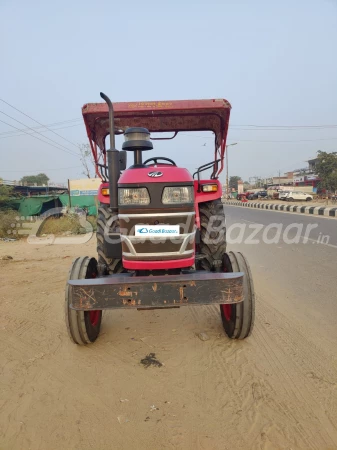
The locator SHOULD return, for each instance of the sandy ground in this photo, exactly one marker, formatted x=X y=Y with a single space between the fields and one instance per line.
x=276 y=390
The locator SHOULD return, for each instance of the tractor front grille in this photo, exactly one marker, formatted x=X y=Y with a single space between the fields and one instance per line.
x=139 y=248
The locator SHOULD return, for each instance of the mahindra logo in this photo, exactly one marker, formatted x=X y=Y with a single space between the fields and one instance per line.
x=155 y=174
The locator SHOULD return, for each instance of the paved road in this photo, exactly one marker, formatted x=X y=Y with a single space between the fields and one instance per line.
x=317 y=227
x=305 y=272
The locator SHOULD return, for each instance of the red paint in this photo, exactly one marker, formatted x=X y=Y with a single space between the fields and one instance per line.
x=94 y=317
x=156 y=265
x=171 y=174
x=160 y=116
x=150 y=108
x=227 y=311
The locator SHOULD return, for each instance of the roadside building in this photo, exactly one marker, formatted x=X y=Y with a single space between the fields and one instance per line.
x=286 y=180
x=307 y=177
x=304 y=178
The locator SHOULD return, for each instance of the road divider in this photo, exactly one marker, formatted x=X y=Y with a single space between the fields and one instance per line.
x=300 y=209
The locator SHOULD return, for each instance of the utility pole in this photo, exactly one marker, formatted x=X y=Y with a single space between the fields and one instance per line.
x=227 y=183
x=279 y=178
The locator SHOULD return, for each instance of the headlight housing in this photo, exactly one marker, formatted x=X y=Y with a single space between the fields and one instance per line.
x=178 y=194
x=133 y=196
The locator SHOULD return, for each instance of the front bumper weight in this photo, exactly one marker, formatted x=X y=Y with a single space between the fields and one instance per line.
x=127 y=291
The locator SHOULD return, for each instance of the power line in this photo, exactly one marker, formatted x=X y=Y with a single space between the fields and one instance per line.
x=42 y=170
x=287 y=126
x=279 y=129
x=270 y=141
x=45 y=142
x=21 y=134
x=38 y=122
x=297 y=140
x=32 y=134
x=38 y=128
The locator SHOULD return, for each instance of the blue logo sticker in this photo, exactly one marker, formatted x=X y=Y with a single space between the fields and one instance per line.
x=143 y=230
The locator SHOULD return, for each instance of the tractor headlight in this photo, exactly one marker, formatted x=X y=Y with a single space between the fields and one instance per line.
x=133 y=196
x=177 y=194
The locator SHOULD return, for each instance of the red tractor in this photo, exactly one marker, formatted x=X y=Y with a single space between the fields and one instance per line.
x=161 y=235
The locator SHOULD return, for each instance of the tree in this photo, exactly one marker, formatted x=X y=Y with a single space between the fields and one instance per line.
x=87 y=160
x=39 y=179
x=326 y=169
x=5 y=194
x=233 y=182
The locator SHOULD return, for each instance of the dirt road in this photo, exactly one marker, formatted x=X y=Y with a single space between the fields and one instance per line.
x=276 y=390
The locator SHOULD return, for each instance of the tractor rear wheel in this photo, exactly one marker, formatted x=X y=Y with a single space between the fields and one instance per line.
x=83 y=326
x=212 y=235
x=106 y=220
x=238 y=319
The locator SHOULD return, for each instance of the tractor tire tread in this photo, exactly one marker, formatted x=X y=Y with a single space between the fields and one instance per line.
x=212 y=252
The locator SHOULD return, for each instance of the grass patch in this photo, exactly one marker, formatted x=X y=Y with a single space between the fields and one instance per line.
x=10 y=225
x=93 y=221
x=8 y=218
x=69 y=224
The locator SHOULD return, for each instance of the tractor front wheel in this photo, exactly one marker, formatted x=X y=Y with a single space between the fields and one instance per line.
x=107 y=221
x=83 y=326
x=238 y=319
x=212 y=236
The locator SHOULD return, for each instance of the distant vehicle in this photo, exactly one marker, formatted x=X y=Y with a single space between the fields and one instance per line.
x=259 y=194
x=282 y=195
x=243 y=196
x=262 y=194
x=291 y=196
x=273 y=195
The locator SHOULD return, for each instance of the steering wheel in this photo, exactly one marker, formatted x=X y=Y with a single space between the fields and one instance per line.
x=160 y=157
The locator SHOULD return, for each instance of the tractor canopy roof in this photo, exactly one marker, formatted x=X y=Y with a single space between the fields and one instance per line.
x=159 y=116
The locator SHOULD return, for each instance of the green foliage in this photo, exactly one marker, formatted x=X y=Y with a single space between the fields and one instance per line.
x=5 y=194
x=326 y=169
x=39 y=179
x=233 y=182
x=61 y=225
x=8 y=221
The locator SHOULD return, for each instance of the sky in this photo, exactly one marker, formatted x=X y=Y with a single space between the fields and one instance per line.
x=275 y=62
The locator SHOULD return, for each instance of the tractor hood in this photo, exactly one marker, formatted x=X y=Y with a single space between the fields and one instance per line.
x=156 y=174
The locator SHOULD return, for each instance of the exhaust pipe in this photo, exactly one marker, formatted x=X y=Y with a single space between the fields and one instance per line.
x=113 y=158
